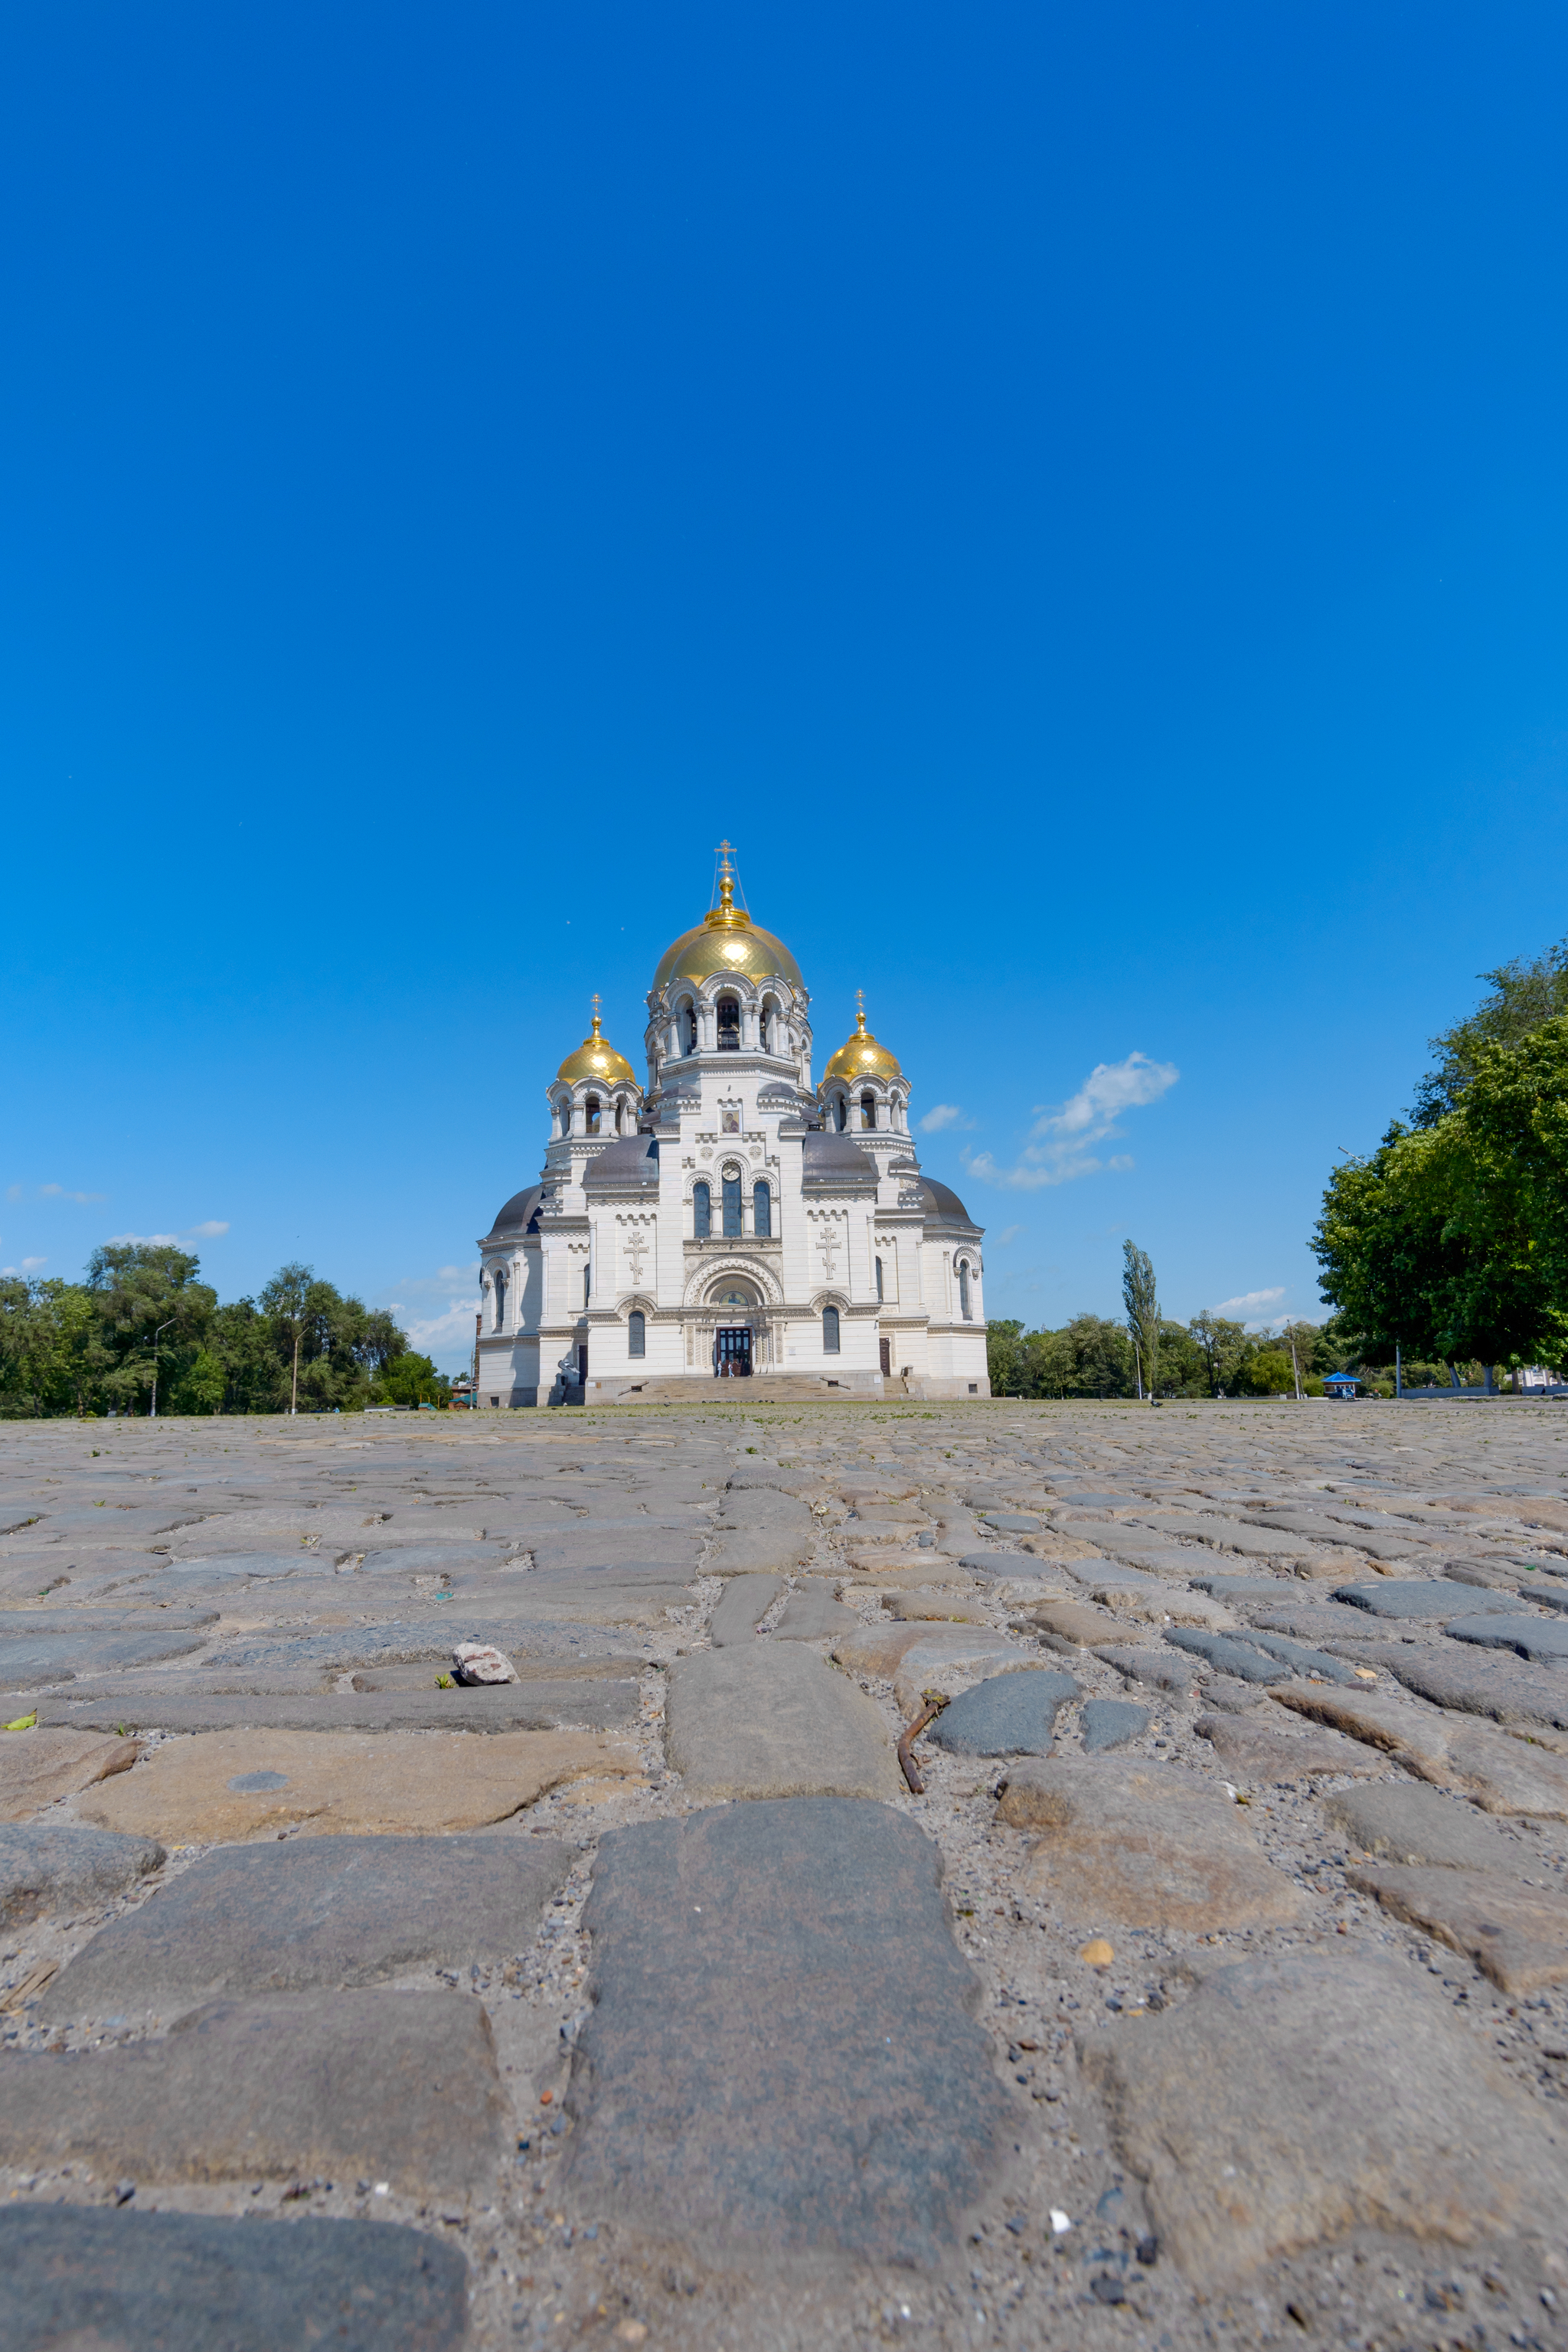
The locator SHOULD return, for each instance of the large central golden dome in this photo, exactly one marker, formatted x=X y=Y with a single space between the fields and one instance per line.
x=726 y=940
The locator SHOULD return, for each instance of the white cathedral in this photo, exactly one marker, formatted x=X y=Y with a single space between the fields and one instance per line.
x=732 y=1221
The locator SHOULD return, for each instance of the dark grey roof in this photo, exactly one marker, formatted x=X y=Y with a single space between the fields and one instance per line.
x=831 y=1159
x=630 y=1160
x=520 y=1214
x=944 y=1206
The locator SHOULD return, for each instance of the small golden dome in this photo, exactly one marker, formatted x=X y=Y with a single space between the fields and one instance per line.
x=726 y=940
x=595 y=1059
x=862 y=1057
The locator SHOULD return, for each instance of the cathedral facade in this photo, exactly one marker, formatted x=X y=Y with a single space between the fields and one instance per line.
x=730 y=1221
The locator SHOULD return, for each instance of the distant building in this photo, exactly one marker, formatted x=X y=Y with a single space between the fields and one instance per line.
x=1341 y=1384
x=730 y=1221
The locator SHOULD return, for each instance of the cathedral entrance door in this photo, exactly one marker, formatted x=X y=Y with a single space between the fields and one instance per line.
x=732 y=1353
x=887 y=1347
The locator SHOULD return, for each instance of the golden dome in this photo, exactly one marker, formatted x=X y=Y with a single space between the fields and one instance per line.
x=595 y=1059
x=726 y=940
x=862 y=1057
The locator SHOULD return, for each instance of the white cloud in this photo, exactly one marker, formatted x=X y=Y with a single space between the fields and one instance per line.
x=1060 y=1142
x=150 y=1241
x=31 y=1264
x=446 y=1277
x=1252 y=1305
x=208 y=1232
x=455 y=1328
x=1008 y=1234
x=59 y=1193
x=942 y=1115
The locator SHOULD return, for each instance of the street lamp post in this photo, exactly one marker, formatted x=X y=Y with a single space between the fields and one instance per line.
x=156 y=1337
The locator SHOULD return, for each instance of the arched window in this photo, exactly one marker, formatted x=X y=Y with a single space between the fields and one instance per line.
x=830 y=1331
x=688 y=1029
x=702 y=1212
x=591 y=1116
x=841 y=1112
x=500 y=1302
x=963 y=1306
x=762 y=1211
x=729 y=1025
x=733 y=1225
x=878 y=1277
x=867 y=1110
x=637 y=1332
x=765 y=1019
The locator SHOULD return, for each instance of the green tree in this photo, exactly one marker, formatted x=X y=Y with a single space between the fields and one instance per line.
x=1222 y=1345
x=412 y=1380
x=1269 y=1373
x=1525 y=995
x=1003 y=1358
x=1432 y=1243
x=1142 y=1307
x=286 y=1303
x=135 y=1287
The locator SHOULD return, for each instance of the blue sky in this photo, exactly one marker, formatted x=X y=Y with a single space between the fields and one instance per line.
x=1079 y=496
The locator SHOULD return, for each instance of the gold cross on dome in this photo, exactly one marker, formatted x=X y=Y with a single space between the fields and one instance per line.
x=726 y=850
x=595 y=1004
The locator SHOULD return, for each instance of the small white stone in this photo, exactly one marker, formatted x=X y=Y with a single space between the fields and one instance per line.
x=480 y=1661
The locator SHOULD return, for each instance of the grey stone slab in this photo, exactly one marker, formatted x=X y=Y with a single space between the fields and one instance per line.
x=130 y=1616
x=1316 y=1622
x=811 y=1615
x=95 y=1525
x=1476 y=1681
x=1012 y=1522
x=505 y=1707
x=743 y=1603
x=55 y=1866
x=1232 y=1534
x=262 y=1567
x=1075 y=1499
x=84 y=2279
x=774 y=1721
x=1295 y=2097
x=1429 y=1600
x=1007 y=1715
x=1544 y=1640
x=587 y=1547
x=1388 y=1541
x=431 y=1560
x=1299 y=1660
x=1157 y=1668
x=304 y=1913
x=1229 y=1654
x=1267 y=1589
x=1110 y=1723
x=1400 y=1820
x=397 y=2086
x=782 y=2058
x=999 y=1563
x=34 y=1664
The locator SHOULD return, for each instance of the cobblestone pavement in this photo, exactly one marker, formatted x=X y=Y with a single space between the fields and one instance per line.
x=1211 y=1989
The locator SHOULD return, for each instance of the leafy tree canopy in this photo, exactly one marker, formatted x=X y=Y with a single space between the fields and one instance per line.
x=142 y=1316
